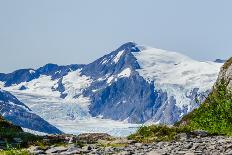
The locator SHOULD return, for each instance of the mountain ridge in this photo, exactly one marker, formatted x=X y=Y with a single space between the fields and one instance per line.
x=134 y=83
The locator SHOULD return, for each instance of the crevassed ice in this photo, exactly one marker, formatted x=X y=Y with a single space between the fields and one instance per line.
x=69 y=115
x=175 y=73
x=74 y=85
x=34 y=132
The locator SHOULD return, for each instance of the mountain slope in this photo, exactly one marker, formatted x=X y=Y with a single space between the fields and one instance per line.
x=134 y=84
x=15 y=111
x=214 y=115
x=5 y=125
x=156 y=85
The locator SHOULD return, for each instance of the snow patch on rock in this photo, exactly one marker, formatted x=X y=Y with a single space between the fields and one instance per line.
x=2 y=84
x=118 y=56
x=125 y=73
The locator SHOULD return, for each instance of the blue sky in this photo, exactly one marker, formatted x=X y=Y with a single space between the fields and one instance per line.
x=33 y=33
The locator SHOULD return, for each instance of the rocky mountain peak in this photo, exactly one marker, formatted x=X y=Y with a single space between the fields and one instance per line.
x=129 y=47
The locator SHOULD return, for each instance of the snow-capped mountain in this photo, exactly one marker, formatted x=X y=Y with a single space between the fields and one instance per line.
x=19 y=114
x=134 y=84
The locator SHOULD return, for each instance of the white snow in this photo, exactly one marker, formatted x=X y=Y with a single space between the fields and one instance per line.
x=175 y=73
x=110 y=79
x=118 y=56
x=93 y=125
x=125 y=73
x=113 y=78
x=34 y=132
x=32 y=71
x=104 y=61
x=74 y=85
x=41 y=86
x=2 y=84
x=57 y=72
x=21 y=106
x=69 y=115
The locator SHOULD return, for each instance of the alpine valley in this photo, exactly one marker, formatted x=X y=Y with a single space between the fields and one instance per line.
x=115 y=94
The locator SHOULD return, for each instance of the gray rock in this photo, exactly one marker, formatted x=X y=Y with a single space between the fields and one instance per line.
x=35 y=150
x=93 y=137
x=188 y=146
x=138 y=144
x=182 y=136
x=56 y=149
x=153 y=153
x=124 y=153
x=229 y=152
x=71 y=152
x=200 y=133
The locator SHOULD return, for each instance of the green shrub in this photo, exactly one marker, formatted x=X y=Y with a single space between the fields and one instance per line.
x=14 y=152
x=148 y=134
x=214 y=115
x=8 y=132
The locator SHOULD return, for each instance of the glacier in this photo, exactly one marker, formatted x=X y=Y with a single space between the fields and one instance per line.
x=116 y=93
x=19 y=114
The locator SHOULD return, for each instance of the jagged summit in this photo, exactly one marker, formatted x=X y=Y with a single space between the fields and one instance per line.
x=129 y=47
x=26 y=75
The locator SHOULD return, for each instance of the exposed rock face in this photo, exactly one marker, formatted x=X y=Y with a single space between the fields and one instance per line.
x=226 y=74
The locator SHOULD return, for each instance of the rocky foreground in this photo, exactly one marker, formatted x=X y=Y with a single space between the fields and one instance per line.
x=104 y=144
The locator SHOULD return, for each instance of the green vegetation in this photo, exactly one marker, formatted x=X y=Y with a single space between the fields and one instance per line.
x=112 y=144
x=148 y=134
x=5 y=126
x=214 y=115
x=14 y=152
x=12 y=136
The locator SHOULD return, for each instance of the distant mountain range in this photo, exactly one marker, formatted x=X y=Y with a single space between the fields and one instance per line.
x=134 y=83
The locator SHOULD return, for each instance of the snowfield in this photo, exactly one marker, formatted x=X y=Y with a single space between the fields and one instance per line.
x=175 y=73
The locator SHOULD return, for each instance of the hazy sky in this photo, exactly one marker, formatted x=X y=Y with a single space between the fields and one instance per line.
x=36 y=32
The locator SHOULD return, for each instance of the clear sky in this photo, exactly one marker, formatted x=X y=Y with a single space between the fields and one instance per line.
x=36 y=32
